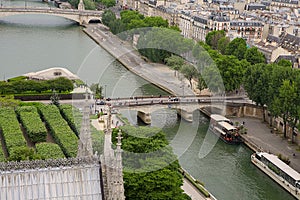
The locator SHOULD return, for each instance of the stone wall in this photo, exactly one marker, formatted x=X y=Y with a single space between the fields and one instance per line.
x=250 y=110
x=244 y=110
x=76 y=178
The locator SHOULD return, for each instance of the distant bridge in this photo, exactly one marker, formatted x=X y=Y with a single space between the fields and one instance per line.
x=80 y=16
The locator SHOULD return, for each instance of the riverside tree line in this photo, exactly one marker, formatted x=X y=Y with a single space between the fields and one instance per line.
x=275 y=85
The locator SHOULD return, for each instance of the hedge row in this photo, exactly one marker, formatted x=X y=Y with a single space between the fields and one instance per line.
x=31 y=121
x=60 y=130
x=9 y=124
x=2 y=157
x=49 y=150
x=73 y=116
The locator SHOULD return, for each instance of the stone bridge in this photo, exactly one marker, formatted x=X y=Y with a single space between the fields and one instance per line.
x=79 y=16
x=185 y=107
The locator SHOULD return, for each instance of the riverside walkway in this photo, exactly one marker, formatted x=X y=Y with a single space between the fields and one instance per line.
x=158 y=74
x=259 y=135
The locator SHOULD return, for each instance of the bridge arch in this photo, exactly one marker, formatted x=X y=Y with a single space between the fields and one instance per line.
x=94 y=20
x=185 y=111
x=81 y=17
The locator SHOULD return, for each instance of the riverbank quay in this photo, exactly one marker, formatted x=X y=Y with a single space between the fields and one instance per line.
x=260 y=138
x=157 y=74
x=194 y=189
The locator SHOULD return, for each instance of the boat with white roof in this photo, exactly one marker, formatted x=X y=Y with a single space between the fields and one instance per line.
x=279 y=171
x=223 y=127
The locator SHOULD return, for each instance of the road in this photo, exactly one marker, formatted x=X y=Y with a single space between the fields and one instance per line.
x=158 y=74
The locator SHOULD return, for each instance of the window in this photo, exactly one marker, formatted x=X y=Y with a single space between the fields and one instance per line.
x=57 y=73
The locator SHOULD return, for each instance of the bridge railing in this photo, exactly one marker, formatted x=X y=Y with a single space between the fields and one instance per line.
x=49 y=10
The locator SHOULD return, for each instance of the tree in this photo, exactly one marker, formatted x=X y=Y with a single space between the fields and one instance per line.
x=175 y=28
x=128 y=15
x=284 y=104
x=159 y=43
x=108 y=3
x=136 y=23
x=54 y=99
x=213 y=37
x=107 y=17
x=277 y=75
x=284 y=63
x=97 y=90
x=148 y=174
x=201 y=84
x=256 y=83
x=222 y=44
x=254 y=56
x=189 y=72
x=237 y=47
x=156 y=22
x=175 y=62
x=89 y=5
x=213 y=79
x=117 y=26
x=231 y=72
x=61 y=84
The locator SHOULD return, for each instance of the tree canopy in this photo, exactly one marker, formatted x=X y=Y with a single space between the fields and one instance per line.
x=237 y=47
x=107 y=17
x=254 y=56
x=60 y=84
x=213 y=37
x=159 y=43
x=150 y=167
x=189 y=72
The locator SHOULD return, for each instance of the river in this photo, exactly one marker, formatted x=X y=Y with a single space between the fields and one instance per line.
x=35 y=42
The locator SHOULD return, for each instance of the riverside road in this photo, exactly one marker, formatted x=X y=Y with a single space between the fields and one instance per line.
x=157 y=74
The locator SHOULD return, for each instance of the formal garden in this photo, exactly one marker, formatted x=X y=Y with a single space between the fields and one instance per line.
x=32 y=131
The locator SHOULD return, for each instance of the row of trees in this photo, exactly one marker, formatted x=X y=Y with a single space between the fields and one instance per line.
x=218 y=40
x=221 y=65
x=150 y=167
x=277 y=87
x=33 y=86
x=131 y=20
x=158 y=44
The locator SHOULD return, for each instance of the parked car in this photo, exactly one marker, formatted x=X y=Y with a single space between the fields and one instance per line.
x=175 y=99
x=100 y=102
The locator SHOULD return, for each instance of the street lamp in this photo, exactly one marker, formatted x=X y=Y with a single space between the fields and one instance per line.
x=105 y=91
x=95 y=105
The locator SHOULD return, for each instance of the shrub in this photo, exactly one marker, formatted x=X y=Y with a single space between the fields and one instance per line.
x=60 y=130
x=23 y=153
x=49 y=150
x=9 y=124
x=73 y=116
x=31 y=121
x=2 y=156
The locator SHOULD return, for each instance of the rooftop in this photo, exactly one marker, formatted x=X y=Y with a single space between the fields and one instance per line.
x=52 y=73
